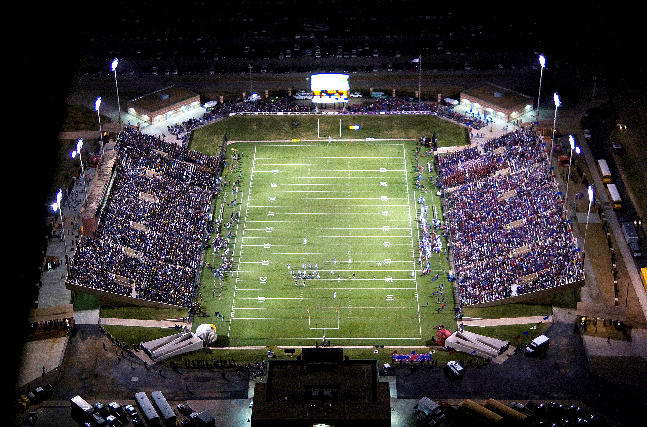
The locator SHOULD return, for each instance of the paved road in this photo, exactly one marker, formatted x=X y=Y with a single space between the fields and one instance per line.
x=468 y=321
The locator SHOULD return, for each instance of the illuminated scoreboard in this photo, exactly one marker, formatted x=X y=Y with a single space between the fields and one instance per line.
x=329 y=88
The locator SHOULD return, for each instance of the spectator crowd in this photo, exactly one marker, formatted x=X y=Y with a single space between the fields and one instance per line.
x=154 y=222
x=505 y=219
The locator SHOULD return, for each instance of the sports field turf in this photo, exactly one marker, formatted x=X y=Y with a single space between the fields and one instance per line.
x=348 y=211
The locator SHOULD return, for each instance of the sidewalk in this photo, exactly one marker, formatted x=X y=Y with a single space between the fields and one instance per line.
x=469 y=321
x=145 y=323
x=52 y=290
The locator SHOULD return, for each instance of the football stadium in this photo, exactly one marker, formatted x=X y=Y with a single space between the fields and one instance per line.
x=354 y=228
x=245 y=214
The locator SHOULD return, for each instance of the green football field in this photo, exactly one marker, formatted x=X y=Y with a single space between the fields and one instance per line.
x=327 y=245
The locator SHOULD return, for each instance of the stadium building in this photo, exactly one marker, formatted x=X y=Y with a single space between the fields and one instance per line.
x=322 y=387
x=496 y=101
x=163 y=104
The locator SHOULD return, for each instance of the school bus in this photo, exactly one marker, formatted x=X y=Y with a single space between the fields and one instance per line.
x=616 y=201
x=605 y=172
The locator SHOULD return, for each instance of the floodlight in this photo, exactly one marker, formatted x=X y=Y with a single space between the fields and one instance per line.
x=97 y=104
x=115 y=62
x=557 y=101
x=590 y=193
x=57 y=204
x=572 y=141
x=542 y=61
x=79 y=144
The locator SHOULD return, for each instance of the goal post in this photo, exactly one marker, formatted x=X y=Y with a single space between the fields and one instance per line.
x=323 y=322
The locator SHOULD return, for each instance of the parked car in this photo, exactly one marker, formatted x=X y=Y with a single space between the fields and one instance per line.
x=356 y=95
x=40 y=393
x=131 y=411
x=118 y=411
x=617 y=147
x=454 y=369
x=302 y=95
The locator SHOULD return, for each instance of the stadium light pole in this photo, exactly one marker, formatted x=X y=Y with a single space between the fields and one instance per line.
x=250 y=79
x=571 y=140
x=79 y=145
x=97 y=105
x=56 y=206
x=586 y=229
x=542 y=62
x=558 y=103
x=419 y=77
x=115 y=62
x=418 y=62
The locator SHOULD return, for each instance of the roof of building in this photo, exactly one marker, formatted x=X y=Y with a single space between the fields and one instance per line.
x=499 y=96
x=161 y=99
x=334 y=389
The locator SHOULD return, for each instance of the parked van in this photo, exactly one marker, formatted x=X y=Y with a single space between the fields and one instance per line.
x=81 y=410
x=538 y=345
